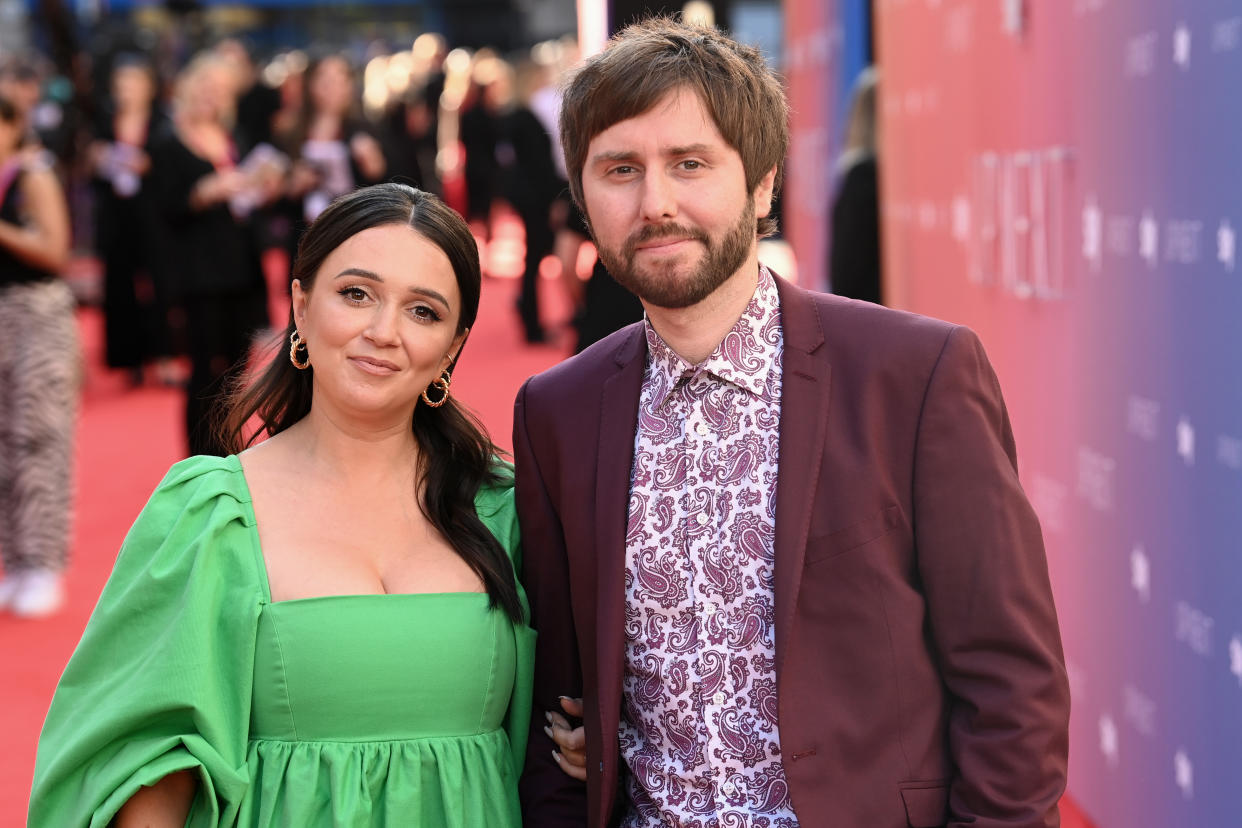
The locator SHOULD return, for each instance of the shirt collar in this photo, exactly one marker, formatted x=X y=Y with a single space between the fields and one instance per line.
x=749 y=352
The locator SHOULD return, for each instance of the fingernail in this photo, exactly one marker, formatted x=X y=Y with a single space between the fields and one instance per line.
x=548 y=715
x=556 y=756
x=562 y=698
x=548 y=731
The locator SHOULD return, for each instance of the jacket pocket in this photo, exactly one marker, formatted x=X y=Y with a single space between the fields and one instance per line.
x=840 y=541
x=927 y=804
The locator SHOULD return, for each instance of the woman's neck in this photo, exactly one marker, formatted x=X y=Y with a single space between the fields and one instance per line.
x=345 y=447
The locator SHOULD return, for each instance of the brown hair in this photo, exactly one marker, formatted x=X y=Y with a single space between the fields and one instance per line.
x=650 y=59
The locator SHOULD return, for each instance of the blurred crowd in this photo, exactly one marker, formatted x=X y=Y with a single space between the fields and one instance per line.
x=186 y=184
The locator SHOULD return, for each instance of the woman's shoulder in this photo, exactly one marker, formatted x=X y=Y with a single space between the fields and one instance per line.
x=198 y=496
x=496 y=494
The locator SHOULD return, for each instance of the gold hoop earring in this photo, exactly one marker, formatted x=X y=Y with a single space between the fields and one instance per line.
x=442 y=382
x=296 y=343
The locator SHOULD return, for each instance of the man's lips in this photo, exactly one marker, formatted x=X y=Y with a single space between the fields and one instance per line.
x=657 y=245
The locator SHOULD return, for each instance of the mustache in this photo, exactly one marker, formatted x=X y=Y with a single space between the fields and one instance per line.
x=663 y=231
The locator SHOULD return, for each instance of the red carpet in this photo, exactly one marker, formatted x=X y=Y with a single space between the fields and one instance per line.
x=126 y=441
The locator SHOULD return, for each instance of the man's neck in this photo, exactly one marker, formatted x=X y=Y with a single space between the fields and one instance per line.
x=694 y=332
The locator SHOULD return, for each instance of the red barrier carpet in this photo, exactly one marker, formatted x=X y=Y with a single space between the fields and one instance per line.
x=127 y=438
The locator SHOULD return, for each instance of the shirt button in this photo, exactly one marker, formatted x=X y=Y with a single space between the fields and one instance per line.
x=702 y=518
x=729 y=788
x=718 y=699
x=701 y=429
x=710 y=609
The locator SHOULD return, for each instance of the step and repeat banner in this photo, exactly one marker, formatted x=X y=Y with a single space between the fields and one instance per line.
x=1066 y=178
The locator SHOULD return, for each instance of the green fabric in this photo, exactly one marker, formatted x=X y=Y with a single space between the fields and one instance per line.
x=291 y=713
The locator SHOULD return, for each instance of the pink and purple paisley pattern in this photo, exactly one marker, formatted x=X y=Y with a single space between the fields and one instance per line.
x=698 y=728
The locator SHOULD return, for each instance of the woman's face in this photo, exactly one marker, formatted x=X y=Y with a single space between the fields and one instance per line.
x=10 y=135
x=380 y=324
x=132 y=87
x=331 y=88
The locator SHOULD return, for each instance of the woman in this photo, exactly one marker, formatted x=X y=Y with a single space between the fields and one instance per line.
x=334 y=151
x=134 y=323
x=208 y=248
x=325 y=629
x=39 y=375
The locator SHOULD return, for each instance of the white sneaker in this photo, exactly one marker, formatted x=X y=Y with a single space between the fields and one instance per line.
x=9 y=587
x=40 y=593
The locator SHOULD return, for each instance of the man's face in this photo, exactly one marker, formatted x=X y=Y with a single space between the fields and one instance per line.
x=667 y=202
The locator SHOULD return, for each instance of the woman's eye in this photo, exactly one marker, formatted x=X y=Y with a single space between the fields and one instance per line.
x=425 y=313
x=354 y=294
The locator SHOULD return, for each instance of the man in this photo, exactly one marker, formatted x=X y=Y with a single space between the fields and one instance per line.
x=775 y=538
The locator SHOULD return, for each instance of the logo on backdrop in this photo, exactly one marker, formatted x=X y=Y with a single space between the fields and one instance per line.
x=1109 y=740
x=1092 y=233
x=1149 y=239
x=1140 y=573
x=1184 y=773
x=1235 y=658
x=1226 y=245
x=1181 y=46
x=1186 y=441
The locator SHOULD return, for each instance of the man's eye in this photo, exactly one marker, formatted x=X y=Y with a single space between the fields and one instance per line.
x=692 y=165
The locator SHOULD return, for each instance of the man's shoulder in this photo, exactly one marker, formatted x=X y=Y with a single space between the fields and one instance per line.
x=592 y=367
x=844 y=322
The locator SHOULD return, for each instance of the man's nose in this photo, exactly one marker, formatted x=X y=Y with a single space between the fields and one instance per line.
x=659 y=198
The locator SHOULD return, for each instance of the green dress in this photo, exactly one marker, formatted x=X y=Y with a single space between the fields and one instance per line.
x=364 y=710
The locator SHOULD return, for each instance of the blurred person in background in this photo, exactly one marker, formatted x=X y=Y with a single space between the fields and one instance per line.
x=854 y=266
x=477 y=134
x=135 y=307
x=333 y=148
x=325 y=629
x=21 y=84
x=209 y=248
x=257 y=103
x=39 y=375
x=527 y=180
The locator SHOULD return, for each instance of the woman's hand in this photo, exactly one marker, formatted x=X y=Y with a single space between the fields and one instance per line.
x=571 y=742
x=368 y=155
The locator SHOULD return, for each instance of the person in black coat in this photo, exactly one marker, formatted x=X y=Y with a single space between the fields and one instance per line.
x=854 y=264
x=529 y=182
x=135 y=313
x=210 y=250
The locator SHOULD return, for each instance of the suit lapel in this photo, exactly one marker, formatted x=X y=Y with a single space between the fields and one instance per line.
x=618 y=421
x=806 y=383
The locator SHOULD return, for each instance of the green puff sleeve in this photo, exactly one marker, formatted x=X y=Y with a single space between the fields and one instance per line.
x=161 y=680
x=496 y=508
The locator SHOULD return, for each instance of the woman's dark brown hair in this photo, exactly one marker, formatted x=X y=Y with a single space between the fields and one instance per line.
x=456 y=457
x=647 y=61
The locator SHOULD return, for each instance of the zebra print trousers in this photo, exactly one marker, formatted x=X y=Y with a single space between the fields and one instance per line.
x=40 y=377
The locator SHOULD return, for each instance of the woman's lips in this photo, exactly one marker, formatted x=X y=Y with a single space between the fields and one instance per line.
x=374 y=365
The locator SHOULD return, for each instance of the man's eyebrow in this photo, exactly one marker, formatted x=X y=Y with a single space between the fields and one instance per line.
x=671 y=152
x=614 y=156
x=372 y=276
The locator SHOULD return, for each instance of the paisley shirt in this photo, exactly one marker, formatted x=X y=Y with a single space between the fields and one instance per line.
x=698 y=725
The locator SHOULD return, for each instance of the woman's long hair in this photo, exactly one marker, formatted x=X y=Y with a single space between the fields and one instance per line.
x=456 y=456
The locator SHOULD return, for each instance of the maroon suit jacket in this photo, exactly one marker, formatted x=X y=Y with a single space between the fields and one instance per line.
x=920 y=675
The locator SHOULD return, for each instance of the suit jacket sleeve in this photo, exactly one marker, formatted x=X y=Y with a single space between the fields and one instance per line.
x=993 y=623
x=549 y=796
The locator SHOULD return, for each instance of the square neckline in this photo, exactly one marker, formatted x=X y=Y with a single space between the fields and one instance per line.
x=235 y=464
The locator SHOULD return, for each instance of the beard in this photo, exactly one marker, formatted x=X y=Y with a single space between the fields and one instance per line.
x=660 y=284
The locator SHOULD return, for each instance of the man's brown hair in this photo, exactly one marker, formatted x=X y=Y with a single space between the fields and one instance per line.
x=647 y=61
